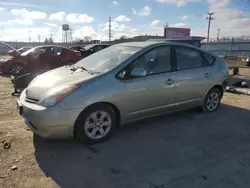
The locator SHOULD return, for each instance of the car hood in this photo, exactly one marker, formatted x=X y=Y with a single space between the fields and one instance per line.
x=55 y=78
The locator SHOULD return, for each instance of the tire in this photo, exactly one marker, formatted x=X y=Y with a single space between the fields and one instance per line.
x=212 y=101
x=83 y=134
x=17 y=69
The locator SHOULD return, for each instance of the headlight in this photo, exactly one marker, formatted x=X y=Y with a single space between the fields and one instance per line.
x=56 y=95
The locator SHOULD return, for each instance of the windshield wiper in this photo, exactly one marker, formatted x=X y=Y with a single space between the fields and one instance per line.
x=74 y=68
x=89 y=71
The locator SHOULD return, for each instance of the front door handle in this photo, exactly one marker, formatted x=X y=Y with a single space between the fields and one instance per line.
x=169 y=82
x=207 y=75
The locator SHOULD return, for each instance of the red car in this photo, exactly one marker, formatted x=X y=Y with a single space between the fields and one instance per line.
x=39 y=58
x=17 y=52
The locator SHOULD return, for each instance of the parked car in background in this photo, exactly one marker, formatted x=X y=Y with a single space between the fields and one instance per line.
x=120 y=84
x=41 y=57
x=18 y=51
x=77 y=47
x=92 y=48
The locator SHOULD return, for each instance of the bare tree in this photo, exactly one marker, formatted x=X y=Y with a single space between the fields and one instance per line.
x=123 y=37
x=87 y=39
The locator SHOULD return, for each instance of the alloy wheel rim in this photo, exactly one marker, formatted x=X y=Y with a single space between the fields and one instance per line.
x=17 y=68
x=98 y=125
x=213 y=101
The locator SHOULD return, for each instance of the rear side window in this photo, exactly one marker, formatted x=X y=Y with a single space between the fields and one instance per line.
x=209 y=60
x=57 y=50
x=188 y=58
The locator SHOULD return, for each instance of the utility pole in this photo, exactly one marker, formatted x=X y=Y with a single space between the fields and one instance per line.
x=218 y=34
x=209 y=18
x=38 y=37
x=29 y=36
x=110 y=29
x=165 y=29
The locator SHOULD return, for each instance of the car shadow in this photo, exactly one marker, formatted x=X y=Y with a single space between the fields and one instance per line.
x=186 y=149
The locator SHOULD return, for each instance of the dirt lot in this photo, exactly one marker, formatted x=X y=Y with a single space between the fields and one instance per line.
x=187 y=149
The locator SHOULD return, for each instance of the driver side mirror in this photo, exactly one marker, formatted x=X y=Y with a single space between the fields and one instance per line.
x=138 y=72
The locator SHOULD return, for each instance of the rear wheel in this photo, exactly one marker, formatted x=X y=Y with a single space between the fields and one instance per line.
x=212 y=100
x=95 y=124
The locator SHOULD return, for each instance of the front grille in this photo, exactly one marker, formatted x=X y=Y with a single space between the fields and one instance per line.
x=30 y=100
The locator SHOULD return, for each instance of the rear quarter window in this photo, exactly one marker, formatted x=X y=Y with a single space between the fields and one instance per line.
x=209 y=59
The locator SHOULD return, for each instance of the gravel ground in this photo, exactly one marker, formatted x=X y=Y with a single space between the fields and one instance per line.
x=187 y=149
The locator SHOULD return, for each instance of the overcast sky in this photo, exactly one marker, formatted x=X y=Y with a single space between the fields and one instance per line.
x=22 y=18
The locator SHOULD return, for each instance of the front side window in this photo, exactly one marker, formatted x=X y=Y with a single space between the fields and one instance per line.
x=155 y=61
x=188 y=58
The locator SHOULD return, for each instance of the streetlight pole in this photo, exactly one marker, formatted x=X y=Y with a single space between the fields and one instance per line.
x=218 y=34
x=209 y=18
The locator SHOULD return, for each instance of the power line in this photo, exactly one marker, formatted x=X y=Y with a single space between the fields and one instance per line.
x=110 y=35
x=209 y=18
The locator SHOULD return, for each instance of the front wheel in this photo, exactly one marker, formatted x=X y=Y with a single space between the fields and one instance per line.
x=95 y=124
x=212 y=100
x=17 y=69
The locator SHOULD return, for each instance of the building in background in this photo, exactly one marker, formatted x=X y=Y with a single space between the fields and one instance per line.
x=176 y=33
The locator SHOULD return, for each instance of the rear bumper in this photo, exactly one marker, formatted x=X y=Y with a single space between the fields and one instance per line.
x=224 y=85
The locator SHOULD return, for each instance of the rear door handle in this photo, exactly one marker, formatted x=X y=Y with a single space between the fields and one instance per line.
x=169 y=82
x=207 y=75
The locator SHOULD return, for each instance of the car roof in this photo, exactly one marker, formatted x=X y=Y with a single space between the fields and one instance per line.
x=50 y=46
x=137 y=44
x=158 y=43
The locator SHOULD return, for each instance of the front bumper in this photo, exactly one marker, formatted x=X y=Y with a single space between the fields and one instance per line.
x=48 y=122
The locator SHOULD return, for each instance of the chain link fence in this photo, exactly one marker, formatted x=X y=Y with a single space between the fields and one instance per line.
x=229 y=47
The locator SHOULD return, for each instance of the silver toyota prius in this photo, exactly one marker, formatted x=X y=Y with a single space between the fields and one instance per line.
x=120 y=84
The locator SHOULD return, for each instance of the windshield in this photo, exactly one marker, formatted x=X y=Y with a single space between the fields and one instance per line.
x=24 y=48
x=108 y=58
x=88 y=46
x=32 y=51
